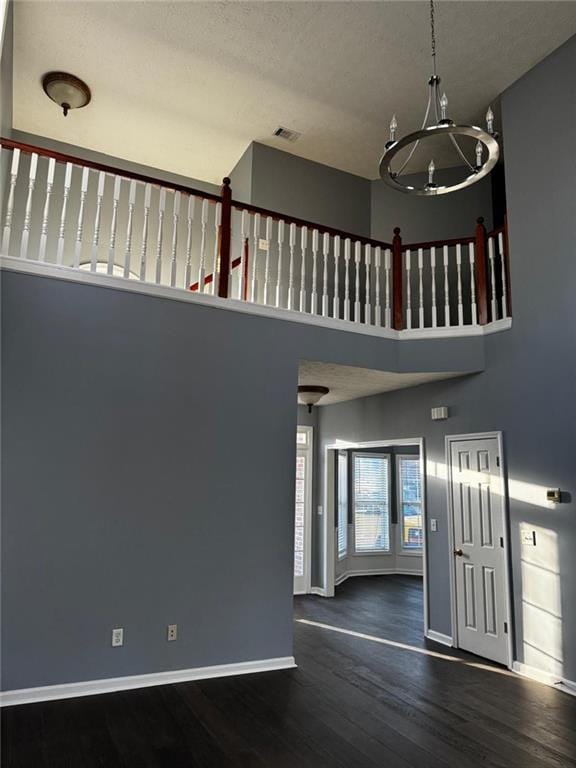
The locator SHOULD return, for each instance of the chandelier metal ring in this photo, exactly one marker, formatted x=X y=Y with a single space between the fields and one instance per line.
x=488 y=140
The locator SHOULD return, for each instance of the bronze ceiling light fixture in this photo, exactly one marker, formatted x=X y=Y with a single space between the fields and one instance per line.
x=68 y=91
x=310 y=395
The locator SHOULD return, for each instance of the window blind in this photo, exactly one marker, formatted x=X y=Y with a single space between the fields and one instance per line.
x=371 y=503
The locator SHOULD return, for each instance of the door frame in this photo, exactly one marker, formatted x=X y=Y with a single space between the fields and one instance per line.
x=329 y=529
x=498 y=436
x=309 y=450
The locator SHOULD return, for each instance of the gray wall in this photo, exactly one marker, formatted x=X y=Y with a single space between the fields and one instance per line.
x=424 y=218
x=241 y=177
x=527 y=389
x=307 y=190
x=146 y=442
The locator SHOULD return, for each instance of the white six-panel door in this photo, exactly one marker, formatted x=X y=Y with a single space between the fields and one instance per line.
x=479 y=553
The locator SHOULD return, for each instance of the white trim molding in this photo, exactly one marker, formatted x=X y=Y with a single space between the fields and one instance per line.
x=341 y=578
x=43 y=269
x=319 y=591
x=93 y=687
x=438 y=637
x=547 y=678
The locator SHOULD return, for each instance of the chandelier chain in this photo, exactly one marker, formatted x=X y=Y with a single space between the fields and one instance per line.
x=433 y=36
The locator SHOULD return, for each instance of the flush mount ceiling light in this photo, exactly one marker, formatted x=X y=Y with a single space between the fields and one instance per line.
x=68 y=91
x=486 y=149
x=311 y=394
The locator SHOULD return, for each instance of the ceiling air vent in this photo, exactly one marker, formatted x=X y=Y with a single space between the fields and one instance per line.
x=287 y=134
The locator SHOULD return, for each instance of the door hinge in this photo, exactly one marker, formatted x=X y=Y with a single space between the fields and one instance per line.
x=506 y=627
x=497 y=461
x=502 y=541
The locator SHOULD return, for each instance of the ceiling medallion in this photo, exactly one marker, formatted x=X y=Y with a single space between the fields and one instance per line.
x=486 y=151
x=68 y=91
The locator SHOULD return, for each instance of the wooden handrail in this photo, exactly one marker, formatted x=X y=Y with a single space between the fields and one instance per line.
x=63 y=158
x=438 y=243
x=309 y=224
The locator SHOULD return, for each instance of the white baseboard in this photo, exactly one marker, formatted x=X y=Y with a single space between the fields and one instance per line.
x=548 y=678
x=375 y=572
x=318 y=591
x=438 y=637
x=93 y=687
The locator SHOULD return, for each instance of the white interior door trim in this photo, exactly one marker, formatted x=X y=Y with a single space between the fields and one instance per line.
x=498 y=436
x=308 y=451
x=330 y=553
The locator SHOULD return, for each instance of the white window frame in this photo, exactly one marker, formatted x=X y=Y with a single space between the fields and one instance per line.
x=400 y=525
x=371 y=552
x=308 y=452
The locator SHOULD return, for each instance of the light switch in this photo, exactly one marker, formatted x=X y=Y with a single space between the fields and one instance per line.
x=528 y=538
x=433 y=524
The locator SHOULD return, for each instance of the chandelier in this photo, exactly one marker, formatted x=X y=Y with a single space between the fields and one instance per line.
x=486 y=150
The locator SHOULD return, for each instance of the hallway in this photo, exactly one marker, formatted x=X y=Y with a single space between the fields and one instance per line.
x=353 y=702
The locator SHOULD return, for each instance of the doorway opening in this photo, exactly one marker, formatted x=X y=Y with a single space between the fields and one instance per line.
x=375 y=521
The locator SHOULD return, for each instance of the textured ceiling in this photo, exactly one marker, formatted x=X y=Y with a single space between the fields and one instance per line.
x=186 y=86
x=348 y=383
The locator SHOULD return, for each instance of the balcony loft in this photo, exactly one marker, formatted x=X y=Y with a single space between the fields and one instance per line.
x=87 y=222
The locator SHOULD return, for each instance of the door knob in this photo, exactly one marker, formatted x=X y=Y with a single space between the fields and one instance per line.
x=458 y=552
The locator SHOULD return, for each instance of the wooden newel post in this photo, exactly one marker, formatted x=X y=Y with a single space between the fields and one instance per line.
x=397 y=297
x=481 y=272
x=225 y=238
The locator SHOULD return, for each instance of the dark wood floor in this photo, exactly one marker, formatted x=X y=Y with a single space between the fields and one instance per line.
x=352 y=702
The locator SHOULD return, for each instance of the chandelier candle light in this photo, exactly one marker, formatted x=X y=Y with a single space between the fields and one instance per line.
x=486 y=153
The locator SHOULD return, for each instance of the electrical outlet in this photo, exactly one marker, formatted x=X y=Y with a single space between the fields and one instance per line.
x=172 y=632
x=118 y=636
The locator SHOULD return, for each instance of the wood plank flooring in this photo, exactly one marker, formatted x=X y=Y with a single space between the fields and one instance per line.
x=352 y=703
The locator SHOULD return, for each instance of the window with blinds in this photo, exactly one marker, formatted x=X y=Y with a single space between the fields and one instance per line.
x=410 y=502
x=342 y=504
x=371 y=502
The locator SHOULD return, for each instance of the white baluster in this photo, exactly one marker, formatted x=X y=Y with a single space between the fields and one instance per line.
x=459 y=271
x=202 y=261
x=28 y=209
x=279 y=273
x=377 y=267
x=10 y=204
x=446 y=289
x=433 y=268
x=174 y=248
x=314 y=302
x=325 y=254
x=144 y=248
x=492 y=279
x=81 y=212
x=267 y=258
x=472 y=284
x=503 y=274
x=387 y=308
x=244 y=234
x=189 y=226
x=291 y=303
x=255 y=240
x=357 y=258
x=303 y=244
x=62 y=227
x=336 y=302
x=129 y=224
x=420 y=288
x=46 y=212
x=160 y=238
x=408 y=290
x=367 y=302
x=113 y=225
x=347 y=245
x=97 y=221
x=216 y=267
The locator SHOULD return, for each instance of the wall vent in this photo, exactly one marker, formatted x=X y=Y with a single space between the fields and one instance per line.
x=287 y=133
